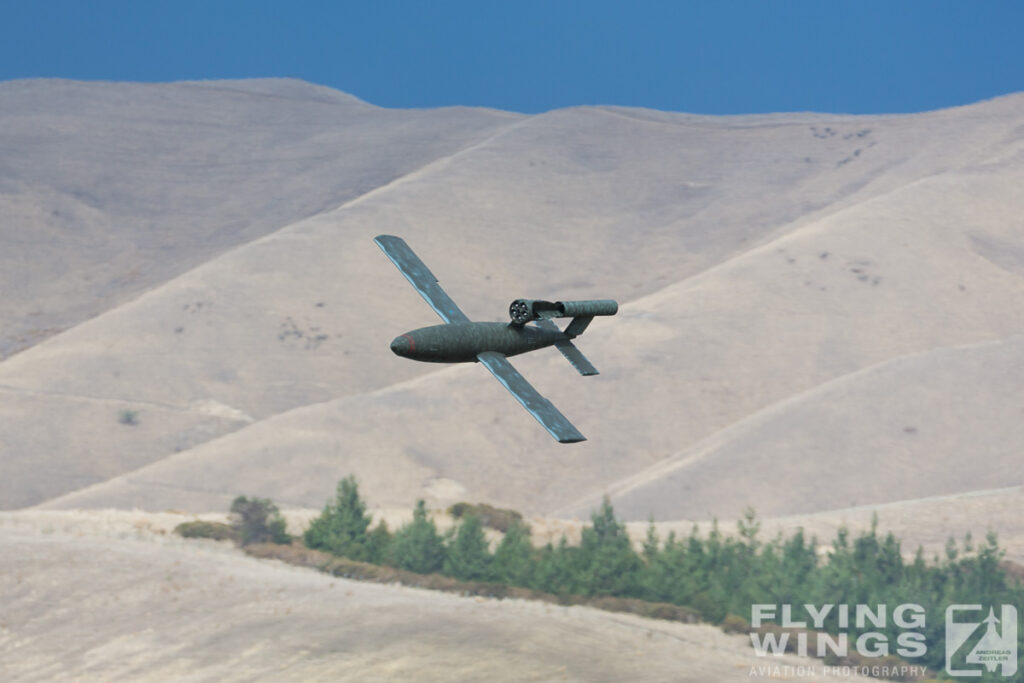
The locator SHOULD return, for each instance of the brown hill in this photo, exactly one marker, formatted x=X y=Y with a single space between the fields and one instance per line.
x=774 y=271
x=108 y=189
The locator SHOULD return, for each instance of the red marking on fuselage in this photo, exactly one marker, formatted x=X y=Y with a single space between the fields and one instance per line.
x=412 y=342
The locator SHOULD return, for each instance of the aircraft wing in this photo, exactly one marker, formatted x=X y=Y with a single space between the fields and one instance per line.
x=538 y=406
x=416 y=272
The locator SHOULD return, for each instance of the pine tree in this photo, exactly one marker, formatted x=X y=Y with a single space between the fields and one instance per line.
x=651 y=542
x=747 y=567
x=792 y=579
x=378 y=544
x=513 y=558
x=556 y=570
x=748 y=527
x=417 y=546
x=468 y=557
x=607 y=563
x=341 y=527
x=836 y=582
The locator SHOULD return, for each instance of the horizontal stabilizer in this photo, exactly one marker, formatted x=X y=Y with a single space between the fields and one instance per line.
x=576 y=357
x=569 y=350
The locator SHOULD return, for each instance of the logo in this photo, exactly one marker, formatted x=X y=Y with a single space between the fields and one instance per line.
x=864 y=628
x=985 y=643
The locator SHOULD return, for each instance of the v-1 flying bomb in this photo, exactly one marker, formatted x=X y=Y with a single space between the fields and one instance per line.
x=461 y=341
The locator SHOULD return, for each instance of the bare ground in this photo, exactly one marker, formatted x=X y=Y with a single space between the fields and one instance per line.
x=112 y=596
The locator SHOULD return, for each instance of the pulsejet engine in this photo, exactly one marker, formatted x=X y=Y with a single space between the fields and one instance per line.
x=522 y=311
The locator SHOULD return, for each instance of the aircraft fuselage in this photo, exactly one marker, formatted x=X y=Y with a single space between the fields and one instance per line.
x=461 y=342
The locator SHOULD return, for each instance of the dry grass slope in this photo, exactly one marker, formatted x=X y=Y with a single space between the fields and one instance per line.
x=113 y=598
x=801 y=293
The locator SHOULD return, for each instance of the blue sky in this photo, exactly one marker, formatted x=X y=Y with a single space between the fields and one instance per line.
x=716 y=57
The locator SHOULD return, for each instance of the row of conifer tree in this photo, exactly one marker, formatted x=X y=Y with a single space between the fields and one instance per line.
x=716 y=574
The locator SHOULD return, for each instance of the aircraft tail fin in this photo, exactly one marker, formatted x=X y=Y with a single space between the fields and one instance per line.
x=576 y=358
x=578 y=324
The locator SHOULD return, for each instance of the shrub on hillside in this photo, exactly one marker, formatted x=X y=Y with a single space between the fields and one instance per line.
x=735 y=624
x=218 y=531
x=257 y=520
x=500 y=519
